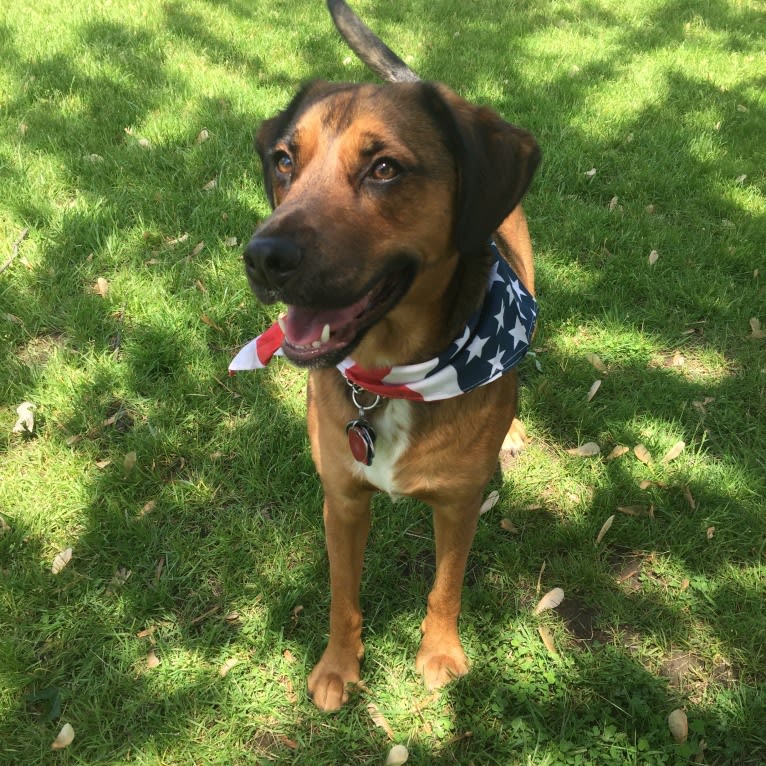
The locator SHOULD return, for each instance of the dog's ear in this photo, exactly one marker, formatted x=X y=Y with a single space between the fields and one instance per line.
x=495 y=163
x=281 y=126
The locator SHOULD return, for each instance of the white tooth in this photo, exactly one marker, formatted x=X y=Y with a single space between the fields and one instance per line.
x=325 y=334
x=282 y=323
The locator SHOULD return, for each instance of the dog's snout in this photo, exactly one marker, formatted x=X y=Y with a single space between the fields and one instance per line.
x=271 y=261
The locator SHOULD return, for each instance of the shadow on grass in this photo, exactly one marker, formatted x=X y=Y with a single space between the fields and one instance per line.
x=243 y=511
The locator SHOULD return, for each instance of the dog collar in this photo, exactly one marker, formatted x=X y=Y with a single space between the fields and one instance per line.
x=494 y=340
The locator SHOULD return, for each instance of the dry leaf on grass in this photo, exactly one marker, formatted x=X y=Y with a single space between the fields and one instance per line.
x=633 y=510
x=710 y=532
x=25 y=424
x=590 y=173
x=589 y=449
x=129 y=462
x=5 y=527
x=119 y=578
x=223 y=671
x=287 y=685
x=646 y=483
x=205 y=319
x=509 y=526
x=148 y=508
x=287 y=742
x=152 y=660
x=674 y=451
x=643 y=454
x=755 y=329
x=231 y=242
x=654 y=256
x=690 y=498
x=210 y=185
x=613 y=203
x=701 y=405
x=100 y=287
x=547 y=638
x=490 y=502
x=173 y=241
x=604 y=529
x=550 y=600
x=596 y=361
x=101 y=464
x=202 y=136
x=397 y=755
x=64 y=739
x=61 y=560
x=593 y=389
x=198 y=248
x=618 y=451
x=678 y=725
x=540 y=579
x=380 y=720
x=207 y=613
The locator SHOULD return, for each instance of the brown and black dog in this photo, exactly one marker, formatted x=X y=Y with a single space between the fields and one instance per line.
x=385 y=199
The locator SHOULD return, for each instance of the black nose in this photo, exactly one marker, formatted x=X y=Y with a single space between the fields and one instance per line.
x=271 y=261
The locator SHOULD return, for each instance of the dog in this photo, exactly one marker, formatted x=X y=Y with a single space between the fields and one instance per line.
x=395 y=217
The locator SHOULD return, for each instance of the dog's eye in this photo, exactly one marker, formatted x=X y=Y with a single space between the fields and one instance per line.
x=385 y=170
x=283 y=162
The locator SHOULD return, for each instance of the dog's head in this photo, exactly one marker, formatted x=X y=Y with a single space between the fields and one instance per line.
x=378 y=192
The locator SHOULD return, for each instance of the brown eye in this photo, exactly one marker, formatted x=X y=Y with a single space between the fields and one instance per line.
x=385 y=170
x=283 y=162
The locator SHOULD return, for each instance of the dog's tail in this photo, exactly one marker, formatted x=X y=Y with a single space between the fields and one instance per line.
x=370 y=49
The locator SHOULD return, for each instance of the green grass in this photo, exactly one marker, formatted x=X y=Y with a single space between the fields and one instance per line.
x=219 y=522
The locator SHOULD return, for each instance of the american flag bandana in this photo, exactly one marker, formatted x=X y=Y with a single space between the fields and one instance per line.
x=494 y=340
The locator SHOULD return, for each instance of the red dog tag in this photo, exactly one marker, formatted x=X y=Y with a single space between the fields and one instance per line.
x=361 y=440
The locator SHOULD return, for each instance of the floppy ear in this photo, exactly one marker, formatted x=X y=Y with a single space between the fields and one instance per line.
x=495 y=163
x=281 y=126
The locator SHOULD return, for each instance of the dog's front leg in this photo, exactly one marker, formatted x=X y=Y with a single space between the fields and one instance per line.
x=441 y=657
x=347 y=524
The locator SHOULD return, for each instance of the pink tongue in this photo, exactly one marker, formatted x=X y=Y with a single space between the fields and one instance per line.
x=304 y=326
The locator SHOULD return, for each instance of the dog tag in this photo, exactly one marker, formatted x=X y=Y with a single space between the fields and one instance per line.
x=361 y=440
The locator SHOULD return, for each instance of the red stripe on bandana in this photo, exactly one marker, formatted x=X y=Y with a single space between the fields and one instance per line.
x=374 y=381
x=269 y=343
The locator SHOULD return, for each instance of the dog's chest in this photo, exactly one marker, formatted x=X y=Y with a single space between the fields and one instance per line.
x=392 y=428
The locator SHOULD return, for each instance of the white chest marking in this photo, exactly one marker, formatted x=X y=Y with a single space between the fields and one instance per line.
x=392 y=428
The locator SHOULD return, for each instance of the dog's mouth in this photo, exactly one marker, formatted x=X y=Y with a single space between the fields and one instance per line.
x=316 y=337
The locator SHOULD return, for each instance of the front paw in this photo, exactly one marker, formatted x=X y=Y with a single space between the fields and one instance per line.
x=329 y=680
x=516 y=439
x=440 y=662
